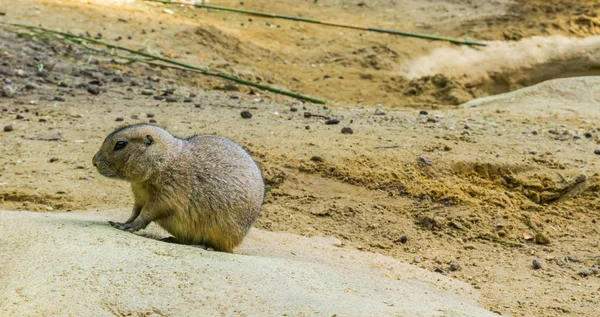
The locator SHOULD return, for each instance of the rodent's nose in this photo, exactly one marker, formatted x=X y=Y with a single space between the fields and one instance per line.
x=94 y=160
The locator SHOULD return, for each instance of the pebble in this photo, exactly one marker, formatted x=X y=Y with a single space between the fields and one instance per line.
x=246 y=114
x=307 y=114
x=588 y=135
x=147 y=92
x=403 y=239
x=423 y=112
x=431 y=119
x=332 y=121
x=150 y=115
x=53 y=159
x=20 y=116
x=120 y=119
x=8 y=128
x=30 y=86
x=347 y=130
x=159 y=97
x=316 y=158
x=293 y=108
x=454 y=267
x=198 y=105
x=307 y=127
x=541 y=238
x=59 y=98
x=187 y=100
x=379 y=112
x=597 y=151
x=536 y=265
x=425 y=161
x=94 y=89
x=533 y=152
x=8 y=91
x=134 y=116
x=417 y=259
x=171 y=98
x=152 y=121
x=438 y=270
x=466 y=127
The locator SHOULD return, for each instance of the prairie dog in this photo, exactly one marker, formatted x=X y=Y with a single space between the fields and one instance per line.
x=202 y=190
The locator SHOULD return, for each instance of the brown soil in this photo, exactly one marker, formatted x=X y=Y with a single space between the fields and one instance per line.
x=456 y=182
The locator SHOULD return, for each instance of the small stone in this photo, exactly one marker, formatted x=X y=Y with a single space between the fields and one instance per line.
x=454 y=267
x=307 y=114
x=147 y=92
x=8 y=128
x=597 y=151
x=541 y=238
x=316 y=158
x=20 y=116
x=159 y=97
x=423 y=112
x=431 y=119
x=188 y=100
x=59 y=98
x=94 y=89
x=467 y=127
x=533 y=152
x=135 y=117
x=347 y=130
x=536 y=265
x=307 y=127
x=246 y=114
x=152 y=121
x=198 y=105
x=171 y=98
x=588 y=135
x=42 y=120
x=234 y=97
x=8 y=91
x=293 y=108
x=588 y=272
x=30 y=86
x=332 y=121
x=438 y=270
x=403 y=239
x=150 y=115
x=120 y=119
x=379 y=112
x=53 y=159
x=534 y=132
x=417 y=259
x=425 y=161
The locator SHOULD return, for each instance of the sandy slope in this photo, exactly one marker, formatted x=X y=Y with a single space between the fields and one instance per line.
x=75 y=264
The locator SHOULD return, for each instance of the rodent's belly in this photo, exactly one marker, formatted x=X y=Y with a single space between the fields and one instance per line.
x=184 y=230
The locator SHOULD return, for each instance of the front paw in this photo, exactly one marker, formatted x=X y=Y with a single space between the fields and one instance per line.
x=131 y=227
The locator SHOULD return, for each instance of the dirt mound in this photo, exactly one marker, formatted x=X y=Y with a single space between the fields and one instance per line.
x=506 y=66
x=127 y=274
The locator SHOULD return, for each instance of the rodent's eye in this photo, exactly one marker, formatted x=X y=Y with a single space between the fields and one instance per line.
x=120 y=145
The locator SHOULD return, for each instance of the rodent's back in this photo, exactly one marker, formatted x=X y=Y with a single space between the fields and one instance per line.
x=225 y=195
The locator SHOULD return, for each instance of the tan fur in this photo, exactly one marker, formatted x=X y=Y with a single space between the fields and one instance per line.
x=203 y=190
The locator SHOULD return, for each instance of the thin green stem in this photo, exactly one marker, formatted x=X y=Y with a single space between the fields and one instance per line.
x=174 y=62
x=343 y=25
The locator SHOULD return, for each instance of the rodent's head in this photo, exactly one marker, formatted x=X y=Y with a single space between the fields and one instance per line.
x=134 y=153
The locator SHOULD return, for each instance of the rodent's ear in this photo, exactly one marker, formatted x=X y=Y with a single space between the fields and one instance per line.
x=148 y=140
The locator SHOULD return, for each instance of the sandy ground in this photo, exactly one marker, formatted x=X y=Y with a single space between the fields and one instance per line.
x=272 y=274
x=458 y=182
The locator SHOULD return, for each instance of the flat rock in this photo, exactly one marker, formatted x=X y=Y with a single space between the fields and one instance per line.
x=74 y=264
